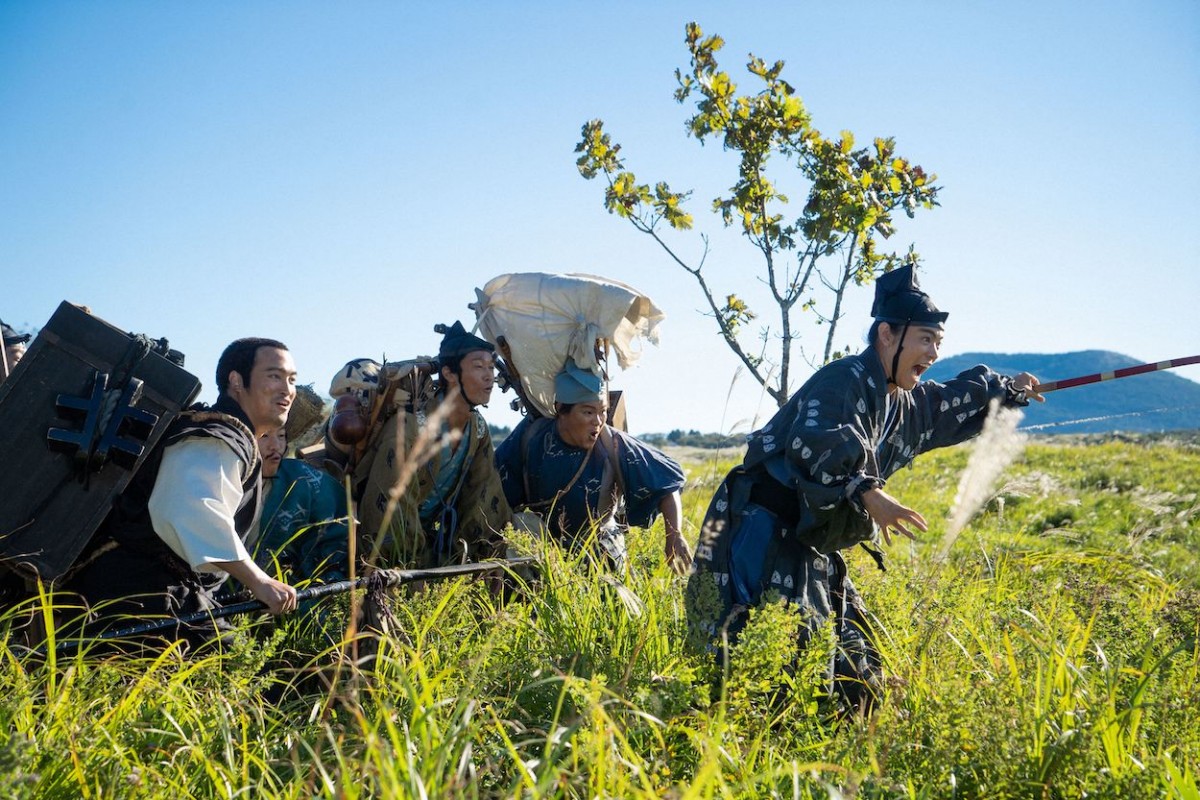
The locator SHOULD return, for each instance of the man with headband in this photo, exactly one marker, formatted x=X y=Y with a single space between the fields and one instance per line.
x=812 y=482
x=578 y=472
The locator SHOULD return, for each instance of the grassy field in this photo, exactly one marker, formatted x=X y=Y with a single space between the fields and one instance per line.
x=1053 y=654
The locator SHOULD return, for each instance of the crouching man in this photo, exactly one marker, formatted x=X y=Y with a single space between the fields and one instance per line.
x=578 y=472
x=179 y=529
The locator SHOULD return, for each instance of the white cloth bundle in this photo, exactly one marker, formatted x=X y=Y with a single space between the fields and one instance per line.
x=547 y=318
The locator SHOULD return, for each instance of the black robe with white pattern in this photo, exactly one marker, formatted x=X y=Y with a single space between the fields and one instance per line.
x=833 y=434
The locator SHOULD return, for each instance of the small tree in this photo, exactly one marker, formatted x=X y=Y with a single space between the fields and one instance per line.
x=810 y=260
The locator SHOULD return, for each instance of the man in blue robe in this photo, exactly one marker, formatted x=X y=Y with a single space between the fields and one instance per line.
x=302 y=531
x=578 y=472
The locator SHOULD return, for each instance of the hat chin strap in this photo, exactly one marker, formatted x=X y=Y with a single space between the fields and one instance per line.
x=462 y=393
x=466 y=399
x=903 y=332
x=896 y=358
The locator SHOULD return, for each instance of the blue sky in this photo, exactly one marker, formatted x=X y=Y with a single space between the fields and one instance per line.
x=342 y=176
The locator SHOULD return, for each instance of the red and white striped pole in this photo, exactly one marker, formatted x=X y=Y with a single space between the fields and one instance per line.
x=1124 y=372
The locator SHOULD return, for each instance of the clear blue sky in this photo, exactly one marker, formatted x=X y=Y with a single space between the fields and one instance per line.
x=343 y=175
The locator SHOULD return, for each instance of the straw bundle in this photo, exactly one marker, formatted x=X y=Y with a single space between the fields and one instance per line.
x=308 y=411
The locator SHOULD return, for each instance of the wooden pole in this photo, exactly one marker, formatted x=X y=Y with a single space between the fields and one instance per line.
x=1124 y=372
x=390 y=578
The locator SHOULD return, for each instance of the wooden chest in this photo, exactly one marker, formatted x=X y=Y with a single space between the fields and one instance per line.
x=78 y=416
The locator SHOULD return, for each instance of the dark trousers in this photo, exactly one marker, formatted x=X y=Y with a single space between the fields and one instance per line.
x=125 y=587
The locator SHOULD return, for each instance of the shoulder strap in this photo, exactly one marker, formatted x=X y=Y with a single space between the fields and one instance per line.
x=207 y=422
x=532 y=430
x=543 y=425
x=612 y=485
x=381 y=410
x=476 y=427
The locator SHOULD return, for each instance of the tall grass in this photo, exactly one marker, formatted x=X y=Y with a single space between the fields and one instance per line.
x=1052 y=654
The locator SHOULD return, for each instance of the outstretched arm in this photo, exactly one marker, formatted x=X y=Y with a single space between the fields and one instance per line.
x=192 y=508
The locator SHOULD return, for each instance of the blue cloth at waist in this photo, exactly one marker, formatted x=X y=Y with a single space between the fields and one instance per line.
x=748 y=553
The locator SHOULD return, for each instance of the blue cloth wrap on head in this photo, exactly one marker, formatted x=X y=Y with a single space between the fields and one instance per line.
x=575 y=385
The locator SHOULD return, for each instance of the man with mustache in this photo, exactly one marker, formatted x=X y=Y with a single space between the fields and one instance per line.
x=812 y=483
x=179 y=529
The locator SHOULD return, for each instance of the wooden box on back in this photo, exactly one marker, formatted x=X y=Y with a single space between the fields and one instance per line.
x=78 y=416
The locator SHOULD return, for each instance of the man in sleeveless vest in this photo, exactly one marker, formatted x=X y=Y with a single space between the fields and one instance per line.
x=812 y=483
x=449 y=508
x=576 y=471
x=179 y=529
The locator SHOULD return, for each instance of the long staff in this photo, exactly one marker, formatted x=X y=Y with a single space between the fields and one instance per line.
x=1124 y=372
x=388 y=578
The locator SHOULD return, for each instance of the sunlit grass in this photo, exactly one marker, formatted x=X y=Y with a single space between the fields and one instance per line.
x=1053 y=654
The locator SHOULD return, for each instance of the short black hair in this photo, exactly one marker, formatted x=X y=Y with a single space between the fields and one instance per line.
x=452 y=363
x=239 y=357
x=565 y=408
x=874 y=330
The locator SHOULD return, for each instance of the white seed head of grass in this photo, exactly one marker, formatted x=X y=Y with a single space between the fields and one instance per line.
x=999 y=445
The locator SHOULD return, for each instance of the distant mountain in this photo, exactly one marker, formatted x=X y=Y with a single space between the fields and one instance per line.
x=1154 y=402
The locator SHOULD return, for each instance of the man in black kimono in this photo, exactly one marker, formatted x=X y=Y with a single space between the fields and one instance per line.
x=812 y=482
